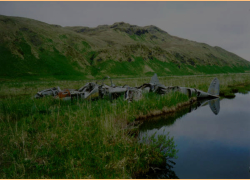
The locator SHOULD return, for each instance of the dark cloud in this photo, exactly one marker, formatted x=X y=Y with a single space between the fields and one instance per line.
x=224 y=24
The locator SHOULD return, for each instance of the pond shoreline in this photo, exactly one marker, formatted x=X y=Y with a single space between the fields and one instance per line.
x=58 y=132
x=228 y=92
x=166 y=110
x=193 y=125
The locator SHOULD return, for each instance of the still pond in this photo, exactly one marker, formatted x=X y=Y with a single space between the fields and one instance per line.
x=211 y=144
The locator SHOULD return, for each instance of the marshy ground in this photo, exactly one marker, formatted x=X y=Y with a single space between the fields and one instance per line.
x=47 y=138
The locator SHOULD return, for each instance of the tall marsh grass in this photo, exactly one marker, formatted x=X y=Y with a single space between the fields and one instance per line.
x=47 y=138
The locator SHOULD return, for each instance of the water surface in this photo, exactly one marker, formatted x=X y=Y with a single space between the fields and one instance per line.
x=210 y=145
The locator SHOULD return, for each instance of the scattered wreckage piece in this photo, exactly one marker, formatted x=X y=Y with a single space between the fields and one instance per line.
x=48 y=92
x=133 y=94
x=68 y=94
x=153 y=86
x=88 y=91
x=113 y=91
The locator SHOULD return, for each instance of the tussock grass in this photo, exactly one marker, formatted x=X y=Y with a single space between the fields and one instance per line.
x=47 y=138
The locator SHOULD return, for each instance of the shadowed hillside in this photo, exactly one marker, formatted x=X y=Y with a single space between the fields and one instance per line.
x=34 y=50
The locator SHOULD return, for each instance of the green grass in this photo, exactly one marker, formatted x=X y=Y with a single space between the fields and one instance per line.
x=53 y=64
x=136 y=68
x=63 y=36
x=86 y=45
x=238 y=88
x=47 y=138
x=137 y=37
x=49 y=65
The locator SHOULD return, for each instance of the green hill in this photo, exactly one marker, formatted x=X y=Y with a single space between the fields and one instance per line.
x=32 y=50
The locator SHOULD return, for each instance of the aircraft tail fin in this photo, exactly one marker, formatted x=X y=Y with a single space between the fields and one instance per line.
x=214 y=88
x=154 y=80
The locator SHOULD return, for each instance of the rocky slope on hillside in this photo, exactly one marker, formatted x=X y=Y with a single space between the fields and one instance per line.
x=31 y=48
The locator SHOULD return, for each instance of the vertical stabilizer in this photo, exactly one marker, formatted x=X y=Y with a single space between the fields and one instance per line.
x=155 y=80
x=214 y=88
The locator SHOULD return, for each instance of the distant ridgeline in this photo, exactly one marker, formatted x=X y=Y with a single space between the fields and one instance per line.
x=33 y=50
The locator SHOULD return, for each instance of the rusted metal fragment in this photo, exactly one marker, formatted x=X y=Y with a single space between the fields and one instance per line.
x=65 y=94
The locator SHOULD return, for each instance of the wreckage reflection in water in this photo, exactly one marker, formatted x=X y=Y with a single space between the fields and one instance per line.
x=210 y=145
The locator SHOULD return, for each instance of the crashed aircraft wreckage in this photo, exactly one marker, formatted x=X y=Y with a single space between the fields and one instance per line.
x=94 y=90
x=155 y=86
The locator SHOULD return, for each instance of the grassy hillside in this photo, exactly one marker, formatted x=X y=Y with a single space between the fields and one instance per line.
x=33 y=50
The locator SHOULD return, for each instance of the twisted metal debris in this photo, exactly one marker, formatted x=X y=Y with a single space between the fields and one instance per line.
x=94 y=90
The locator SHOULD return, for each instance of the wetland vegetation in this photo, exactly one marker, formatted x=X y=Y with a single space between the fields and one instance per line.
x=47 y=138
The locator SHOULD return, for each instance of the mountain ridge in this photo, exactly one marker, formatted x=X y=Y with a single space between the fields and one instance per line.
x=118 y=50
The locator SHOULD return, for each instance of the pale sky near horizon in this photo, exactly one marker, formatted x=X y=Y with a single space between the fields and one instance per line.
x=224 y=24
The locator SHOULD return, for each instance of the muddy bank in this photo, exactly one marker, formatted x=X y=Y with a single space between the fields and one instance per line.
x=166 y=110
x=228 y=92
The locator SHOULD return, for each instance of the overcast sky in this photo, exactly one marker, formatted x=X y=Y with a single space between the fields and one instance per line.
x=224 y=24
